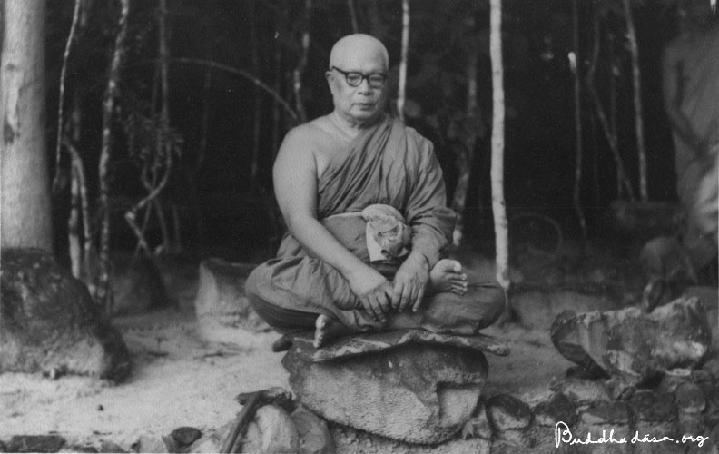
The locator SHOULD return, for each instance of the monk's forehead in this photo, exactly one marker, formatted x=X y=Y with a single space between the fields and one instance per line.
x=355 y=52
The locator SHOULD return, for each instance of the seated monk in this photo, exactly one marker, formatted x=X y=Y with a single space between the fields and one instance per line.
x=365 y=204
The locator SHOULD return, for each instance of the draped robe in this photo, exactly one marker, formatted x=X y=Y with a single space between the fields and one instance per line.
x=387 y=163
x=697 y=177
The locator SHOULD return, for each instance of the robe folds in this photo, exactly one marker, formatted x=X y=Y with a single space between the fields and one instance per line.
x=697 y=176
x=387 y=163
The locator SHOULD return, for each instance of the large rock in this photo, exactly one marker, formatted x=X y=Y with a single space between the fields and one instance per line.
x=221 y=305
x=418 y=393
x=48 y=321
x=632 y=345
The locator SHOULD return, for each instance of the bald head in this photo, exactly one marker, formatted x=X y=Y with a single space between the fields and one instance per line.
x=356 y=49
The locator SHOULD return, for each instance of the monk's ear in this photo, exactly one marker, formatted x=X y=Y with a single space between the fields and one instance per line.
x=330 y=79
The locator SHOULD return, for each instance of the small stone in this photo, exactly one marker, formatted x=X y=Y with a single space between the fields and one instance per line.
x=582 y=391
x=315 y=437
x=100 y=407
x=35 y=443
x=272 y=430
x=653 y=406
x=557 y=408
x=672 y=379
x=605 y=412
x=110 y=446
x=712 y=366
x=711 y=411
x=507 y=412
x=691 y=424
x=185 y=436
x=478 y=425
x=690 y=398
x=150 y=444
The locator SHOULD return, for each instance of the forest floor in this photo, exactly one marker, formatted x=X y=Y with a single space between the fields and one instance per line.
x=181 y=380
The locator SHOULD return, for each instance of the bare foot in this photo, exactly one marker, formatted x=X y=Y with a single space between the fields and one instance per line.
x=326 y=329
x=447 y=276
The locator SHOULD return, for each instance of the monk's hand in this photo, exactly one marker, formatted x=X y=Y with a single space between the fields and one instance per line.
x=410 y=282
x=374 y=292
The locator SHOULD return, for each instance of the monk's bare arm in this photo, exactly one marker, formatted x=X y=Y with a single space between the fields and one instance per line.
x=672 y=67
x=295 y=183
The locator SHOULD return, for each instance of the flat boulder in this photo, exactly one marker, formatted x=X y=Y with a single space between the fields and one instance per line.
x=416 y=393
x=49 y=322
x=632 y=345
x=372 y=342
x=221 y=305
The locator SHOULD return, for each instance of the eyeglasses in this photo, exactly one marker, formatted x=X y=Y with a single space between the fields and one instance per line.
x=354 y=79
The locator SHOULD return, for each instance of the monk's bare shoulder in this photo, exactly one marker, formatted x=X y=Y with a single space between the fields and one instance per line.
x=423 y=147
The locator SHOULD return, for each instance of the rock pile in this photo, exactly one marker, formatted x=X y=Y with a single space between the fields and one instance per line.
x=632 y=346
x=401 y=388
x=50 y=324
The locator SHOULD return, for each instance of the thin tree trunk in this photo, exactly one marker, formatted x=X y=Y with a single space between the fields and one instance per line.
x=613 y=109
x=353 y=16
x=401 y=96
x=601 y=115
x=497 y=167
x=302 y=63
x=200 y=157
x=277 y=88
x=103 y=291
x=25 y=210
x=168 y=244
x=79 y=211
x=61 y=97
x=578 y=125
x=465 y=160
x=638 y=108
x=257 y=117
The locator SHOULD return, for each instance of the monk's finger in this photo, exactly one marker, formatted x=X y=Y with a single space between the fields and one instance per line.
x=396 y=294
x=383 y=302
x=369 y=307
x=405 y=298
x=418 y=301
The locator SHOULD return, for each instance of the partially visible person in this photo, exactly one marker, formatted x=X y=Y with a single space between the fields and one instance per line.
x=691 y=101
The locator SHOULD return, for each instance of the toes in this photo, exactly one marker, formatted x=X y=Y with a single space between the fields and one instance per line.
x=459 y=289
x=448 y=266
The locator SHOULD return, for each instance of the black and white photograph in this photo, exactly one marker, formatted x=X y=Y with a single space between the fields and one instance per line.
x=359 y=226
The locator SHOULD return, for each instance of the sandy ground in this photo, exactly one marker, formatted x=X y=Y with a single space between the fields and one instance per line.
x=181 y=380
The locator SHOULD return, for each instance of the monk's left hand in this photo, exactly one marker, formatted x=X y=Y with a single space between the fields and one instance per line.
x=410 y=282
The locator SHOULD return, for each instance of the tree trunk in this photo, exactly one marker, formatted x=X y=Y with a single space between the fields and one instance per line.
x=497 y=167
x=302 y=63
x=401 y=96
x=610 y=135
x=257 y=115
x=26 y=205
x=103 y=291
x=613 y=108
x=638 y=108
x=169 y=244
x=353 y=16
x=578 y=125
x=465 y=160
x=61 y=97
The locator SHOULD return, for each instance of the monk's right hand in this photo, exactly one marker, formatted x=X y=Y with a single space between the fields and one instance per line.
x=373 y=291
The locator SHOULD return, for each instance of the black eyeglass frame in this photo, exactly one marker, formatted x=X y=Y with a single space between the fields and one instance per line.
x=347 y=74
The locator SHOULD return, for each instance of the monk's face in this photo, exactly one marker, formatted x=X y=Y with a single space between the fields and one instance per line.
x=363 y=63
